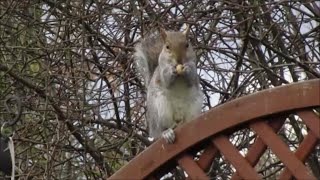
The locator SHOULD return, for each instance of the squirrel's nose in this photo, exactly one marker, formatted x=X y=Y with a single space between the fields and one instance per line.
x=175 y=58
x=178 y=58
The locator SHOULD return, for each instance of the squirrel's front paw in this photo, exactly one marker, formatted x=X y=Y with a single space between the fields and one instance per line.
x=174 y=70
x=169 y=136
x=186 y=69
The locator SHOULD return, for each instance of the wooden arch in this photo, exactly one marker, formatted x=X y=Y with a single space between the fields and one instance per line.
x=264 y=113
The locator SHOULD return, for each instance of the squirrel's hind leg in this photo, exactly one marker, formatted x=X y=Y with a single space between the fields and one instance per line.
x=168 y=135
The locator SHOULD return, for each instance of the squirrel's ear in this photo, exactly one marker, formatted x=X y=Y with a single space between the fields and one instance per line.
x=186 y=31
x=163 y=33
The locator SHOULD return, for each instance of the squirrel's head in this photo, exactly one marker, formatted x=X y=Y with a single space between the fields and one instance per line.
x=176 y=46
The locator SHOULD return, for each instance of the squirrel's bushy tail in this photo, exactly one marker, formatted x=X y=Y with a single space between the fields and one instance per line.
x=146 y=56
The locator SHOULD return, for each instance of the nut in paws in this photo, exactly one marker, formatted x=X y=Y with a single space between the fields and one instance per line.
x=179 y=69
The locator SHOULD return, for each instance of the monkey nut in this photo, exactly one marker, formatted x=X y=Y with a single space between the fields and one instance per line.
x=179 y=68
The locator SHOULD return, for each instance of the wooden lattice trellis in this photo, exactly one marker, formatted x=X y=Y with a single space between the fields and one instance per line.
x=264 y=113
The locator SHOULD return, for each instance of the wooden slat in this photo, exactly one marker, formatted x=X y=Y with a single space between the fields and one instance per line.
x=281 y=151
x=311 y=120
x=258 y=147
x=226 y=116
x=207 y=156
x=151 y=178
x=187 y=163
x=306 y=147
x=232 y=155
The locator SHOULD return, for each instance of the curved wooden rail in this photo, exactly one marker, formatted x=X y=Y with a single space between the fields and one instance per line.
x=251 y=111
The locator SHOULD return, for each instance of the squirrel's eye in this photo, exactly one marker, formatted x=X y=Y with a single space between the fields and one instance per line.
x=167 y=47
x=187 y=45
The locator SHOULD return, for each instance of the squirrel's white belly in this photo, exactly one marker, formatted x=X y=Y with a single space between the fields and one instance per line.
x=185 y=103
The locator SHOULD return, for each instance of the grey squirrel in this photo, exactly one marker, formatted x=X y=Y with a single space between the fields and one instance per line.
x=167 y=63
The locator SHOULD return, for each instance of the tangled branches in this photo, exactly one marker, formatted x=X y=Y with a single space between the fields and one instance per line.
x=71 y=62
